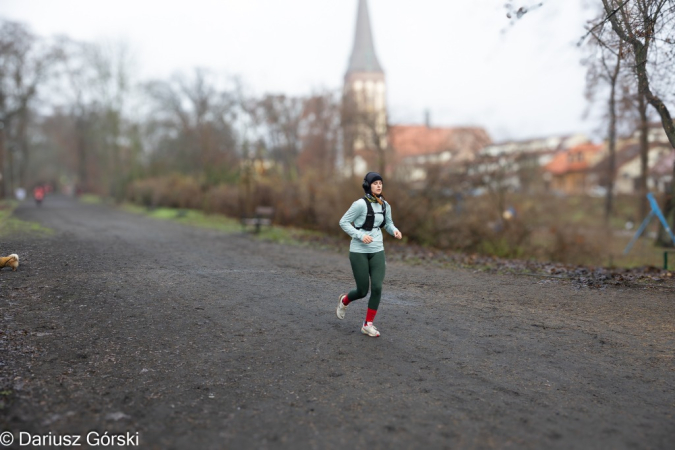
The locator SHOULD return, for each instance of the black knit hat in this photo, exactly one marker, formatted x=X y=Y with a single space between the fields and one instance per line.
x=369 y=179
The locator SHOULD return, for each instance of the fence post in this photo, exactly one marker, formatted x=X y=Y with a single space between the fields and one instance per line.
x=665 y=258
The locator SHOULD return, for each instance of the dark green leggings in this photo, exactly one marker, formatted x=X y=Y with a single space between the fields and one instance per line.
x=367 y=266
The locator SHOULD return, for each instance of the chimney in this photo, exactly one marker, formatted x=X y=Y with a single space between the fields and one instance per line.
x=427 y=118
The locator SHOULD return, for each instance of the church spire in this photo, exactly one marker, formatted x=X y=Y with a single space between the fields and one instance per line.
x=363 y=57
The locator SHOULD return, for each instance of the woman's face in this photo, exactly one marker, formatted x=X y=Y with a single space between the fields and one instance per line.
x=376 y=187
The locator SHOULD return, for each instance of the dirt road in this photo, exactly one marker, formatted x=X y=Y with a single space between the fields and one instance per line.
x=195 y=339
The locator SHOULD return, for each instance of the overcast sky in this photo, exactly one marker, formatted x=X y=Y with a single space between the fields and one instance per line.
x=459 y=59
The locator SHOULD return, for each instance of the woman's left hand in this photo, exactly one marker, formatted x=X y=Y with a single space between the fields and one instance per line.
x=397 y=234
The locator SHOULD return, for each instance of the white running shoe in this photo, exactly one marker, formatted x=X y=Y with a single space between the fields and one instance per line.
x=370 y=330
x=341 y=307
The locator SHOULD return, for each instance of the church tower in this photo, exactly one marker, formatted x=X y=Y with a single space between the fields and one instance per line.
x=364 y=109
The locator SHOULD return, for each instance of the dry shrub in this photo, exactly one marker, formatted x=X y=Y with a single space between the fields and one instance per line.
x=572 y=245
x=470 y=225
x=313 y=202
x=185 y=192
x=223 y=199
x=464 y=224
x=141 y=192
x=284 y=196
x=318 y=203
x=173 y=191
x=324 y=202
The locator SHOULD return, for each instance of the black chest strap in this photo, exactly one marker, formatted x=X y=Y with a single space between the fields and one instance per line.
x=368 y=225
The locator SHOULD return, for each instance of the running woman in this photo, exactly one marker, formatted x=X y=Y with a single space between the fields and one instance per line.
x=363 y=222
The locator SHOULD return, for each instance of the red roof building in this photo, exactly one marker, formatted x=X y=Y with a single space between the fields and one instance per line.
x=416 y=146
x=570 y=171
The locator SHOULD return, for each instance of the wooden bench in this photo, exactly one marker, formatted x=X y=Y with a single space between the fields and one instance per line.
x=263 y=216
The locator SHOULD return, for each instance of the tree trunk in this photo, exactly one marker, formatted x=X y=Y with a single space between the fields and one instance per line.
x=644 y=152
x=612 y=142
x=666 y=118
x=10 y=172
x=82 y=154
x=663 y=238
x=2 y=160
x=22 y=138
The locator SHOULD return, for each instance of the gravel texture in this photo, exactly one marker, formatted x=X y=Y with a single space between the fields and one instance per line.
x=196 y=339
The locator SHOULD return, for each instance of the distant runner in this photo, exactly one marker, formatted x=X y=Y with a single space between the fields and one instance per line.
x=39 y=194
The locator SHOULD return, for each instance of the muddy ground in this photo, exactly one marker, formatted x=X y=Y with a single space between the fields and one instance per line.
x=196 y=339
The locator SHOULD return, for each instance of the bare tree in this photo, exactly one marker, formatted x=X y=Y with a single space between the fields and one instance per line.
x=644 y=151
x=320 y=133
x=604 y=67
x=647 y=26
x=192 y=125
x=644 y=25
x=24 y=66
x=281 y=116
x=96 y=86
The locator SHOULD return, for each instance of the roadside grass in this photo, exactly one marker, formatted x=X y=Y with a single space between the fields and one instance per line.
x=9 y=224
x=418 y=255
x=288 y=235
x=594 y=243
x=91 y=199
x=187 y=216
x=274 y=233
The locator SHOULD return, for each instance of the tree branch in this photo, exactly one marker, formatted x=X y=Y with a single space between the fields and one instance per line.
x=609 y=16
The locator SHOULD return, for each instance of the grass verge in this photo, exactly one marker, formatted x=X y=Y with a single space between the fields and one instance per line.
x=401 y=251
x=278 y=234
x=90 y=199
x=9 y=224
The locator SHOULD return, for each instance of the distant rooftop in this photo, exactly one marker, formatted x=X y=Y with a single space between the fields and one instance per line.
x=577 y=159
x=415 y=140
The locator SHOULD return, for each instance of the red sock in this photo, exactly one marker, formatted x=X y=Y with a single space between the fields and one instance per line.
x=370 y=315
x=345 y=300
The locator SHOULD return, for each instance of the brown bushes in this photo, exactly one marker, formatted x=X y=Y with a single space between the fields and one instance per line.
x=466 y=224
x=573 y=245
x=174 y=191
x=222 y=199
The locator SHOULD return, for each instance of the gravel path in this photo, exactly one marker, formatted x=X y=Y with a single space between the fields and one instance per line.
x=196 y=339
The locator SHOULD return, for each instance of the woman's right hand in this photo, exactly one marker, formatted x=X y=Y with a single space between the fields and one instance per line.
x=367 y=239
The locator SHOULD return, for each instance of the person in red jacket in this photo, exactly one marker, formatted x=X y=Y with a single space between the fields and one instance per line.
x=39 y=194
